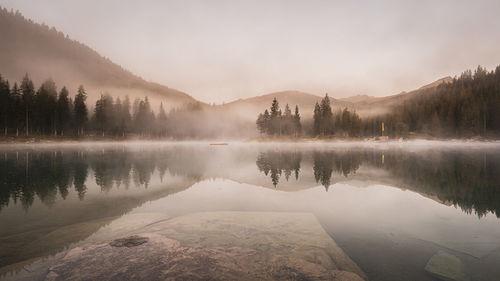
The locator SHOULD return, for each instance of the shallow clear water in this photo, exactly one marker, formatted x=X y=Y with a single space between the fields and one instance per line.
x=389 y=207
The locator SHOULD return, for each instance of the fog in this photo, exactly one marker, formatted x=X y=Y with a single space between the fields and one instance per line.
x=225 y=50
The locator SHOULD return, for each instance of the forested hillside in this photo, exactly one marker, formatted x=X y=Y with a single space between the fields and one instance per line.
x=463 y=107
x=468 y=106
x=44 y=52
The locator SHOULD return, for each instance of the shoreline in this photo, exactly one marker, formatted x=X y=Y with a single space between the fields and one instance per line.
x=283 y=143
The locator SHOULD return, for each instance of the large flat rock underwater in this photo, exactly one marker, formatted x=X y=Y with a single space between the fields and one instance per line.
x=211 y=246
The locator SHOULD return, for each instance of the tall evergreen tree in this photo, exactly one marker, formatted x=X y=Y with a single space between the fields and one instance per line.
x=287 y=121
x=5 y=104
x=326 y=123
x=16 y=109
x=125 y=117
x=275 y=118
x=103 y=114
x=162 y=121
x=28 y=95
x=45 y=107
x=317 y=120
x=296 y=122
x=63 y=111
x=81 y=111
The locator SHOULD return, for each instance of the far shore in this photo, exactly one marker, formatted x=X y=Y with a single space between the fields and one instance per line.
x=47 y=140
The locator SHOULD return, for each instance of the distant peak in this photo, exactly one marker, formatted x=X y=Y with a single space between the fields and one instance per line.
x=438 y=82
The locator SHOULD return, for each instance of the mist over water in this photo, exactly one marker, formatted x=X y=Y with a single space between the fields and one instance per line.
x=419 y=197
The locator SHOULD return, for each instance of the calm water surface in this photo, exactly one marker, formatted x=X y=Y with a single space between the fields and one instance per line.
x=389 y=207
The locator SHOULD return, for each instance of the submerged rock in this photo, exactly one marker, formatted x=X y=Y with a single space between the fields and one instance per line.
x=161 y=258
x=446 y=267
x=213 y=246
x=131 y=241
x=296 y=235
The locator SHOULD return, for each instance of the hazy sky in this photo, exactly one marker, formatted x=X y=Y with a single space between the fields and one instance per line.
x=223 y=50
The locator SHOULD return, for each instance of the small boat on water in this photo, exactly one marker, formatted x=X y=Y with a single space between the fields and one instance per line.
x=219 y=143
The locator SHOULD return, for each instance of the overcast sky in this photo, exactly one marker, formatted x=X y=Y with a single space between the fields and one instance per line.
x=224 y=50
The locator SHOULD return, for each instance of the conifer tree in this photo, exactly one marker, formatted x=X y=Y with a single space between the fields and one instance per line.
x=63 y=111
x=81 y=111
x=326 y=123
x=296 y=122
x=162 y=121
x=5 y=104
x=317 y=120
x=28 y=95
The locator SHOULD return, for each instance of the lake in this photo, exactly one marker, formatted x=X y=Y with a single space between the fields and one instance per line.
x=390 y=207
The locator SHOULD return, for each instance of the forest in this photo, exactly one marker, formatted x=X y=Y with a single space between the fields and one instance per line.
x=26 y=111
x=467 y=107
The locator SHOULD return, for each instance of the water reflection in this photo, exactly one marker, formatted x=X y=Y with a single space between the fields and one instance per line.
x=51 y=199
x=468 y=179
x=325 y=163
x=275 y=164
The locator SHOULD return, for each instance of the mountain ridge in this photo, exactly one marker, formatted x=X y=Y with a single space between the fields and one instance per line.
x=75 y=63
x=43 y=52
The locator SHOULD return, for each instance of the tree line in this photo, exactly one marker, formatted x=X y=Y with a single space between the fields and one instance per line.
x=46 y=111
x=274 y=122
x=343 y=123
x=468 y=106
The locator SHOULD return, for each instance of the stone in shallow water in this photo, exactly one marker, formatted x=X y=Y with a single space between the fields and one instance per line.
x=446 y=267
x=291 y=234
x=161 y=258
x=131 y=241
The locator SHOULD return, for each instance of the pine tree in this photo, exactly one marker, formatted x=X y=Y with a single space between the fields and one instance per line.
x=63 y=111
x=81 y=110
x=287 y=121
x=45 y=107
x=296 y=122
x=162 y=121
x=326 y=122
x=104 y=114
x=267 y=122
x=5 y=104
x=275 y=118
x=17 y=109
x=28 y=95
x=317 y=120
x=125 y=117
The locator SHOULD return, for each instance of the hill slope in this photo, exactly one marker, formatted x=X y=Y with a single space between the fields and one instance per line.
x=365 y=105
x=251 y=107
x=372 y=106
x=44 y=52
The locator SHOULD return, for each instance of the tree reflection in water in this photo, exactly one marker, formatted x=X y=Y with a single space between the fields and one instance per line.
x=275 y=164
x=468 y=179
x=325 y=163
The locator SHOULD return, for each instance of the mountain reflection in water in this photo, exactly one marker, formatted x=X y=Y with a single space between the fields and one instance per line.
x=468 y=179
x=72 y=192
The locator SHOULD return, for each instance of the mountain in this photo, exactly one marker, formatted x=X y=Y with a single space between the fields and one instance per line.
x=251 y=107
x=438 y=82
x=371 y=106
x=44 y=52
x=365 y=105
